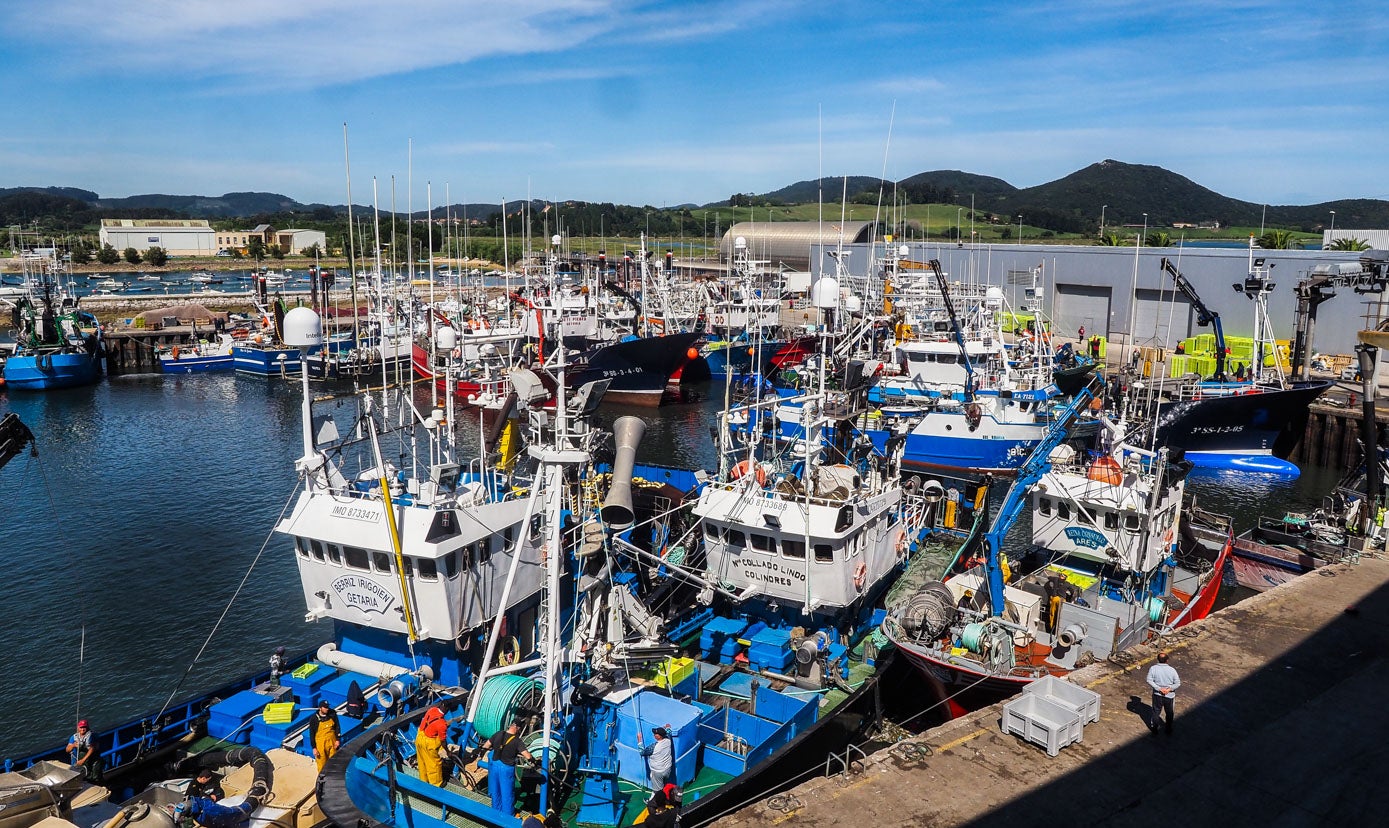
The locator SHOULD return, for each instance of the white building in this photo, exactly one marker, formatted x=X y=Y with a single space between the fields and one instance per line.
x=294 y=241
x=1377 y=239
x=178 y=237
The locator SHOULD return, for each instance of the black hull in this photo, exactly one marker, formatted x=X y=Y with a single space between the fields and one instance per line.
x=1264 y=421
x=638 y=370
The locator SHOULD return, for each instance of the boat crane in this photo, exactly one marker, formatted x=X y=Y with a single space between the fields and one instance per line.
x=1319 y=285
x=1038 y=463
x=958 y=330
x=1204 y=315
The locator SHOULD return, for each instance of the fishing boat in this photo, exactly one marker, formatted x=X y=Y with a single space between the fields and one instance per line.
x=1250 y=423
x=57 y=344
x=1113 y=562
x=743 y=632
x=198 y=357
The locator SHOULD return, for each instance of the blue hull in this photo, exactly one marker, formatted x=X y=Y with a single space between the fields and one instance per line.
x=196 y=365
x=45 y=372
x=266 y=362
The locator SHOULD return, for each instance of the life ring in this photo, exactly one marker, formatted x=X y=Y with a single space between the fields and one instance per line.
x=509 y=652
x=746 y=466
x=860 y=575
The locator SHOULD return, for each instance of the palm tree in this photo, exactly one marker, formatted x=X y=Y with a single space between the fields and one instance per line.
x=1158 y=239
x=1346 y=243
x=1111 y=240
x=1279 y=240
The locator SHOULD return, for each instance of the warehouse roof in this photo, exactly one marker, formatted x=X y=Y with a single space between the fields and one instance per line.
x=788 y=242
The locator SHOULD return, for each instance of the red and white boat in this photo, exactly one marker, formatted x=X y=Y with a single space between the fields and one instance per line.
x=1115 y=560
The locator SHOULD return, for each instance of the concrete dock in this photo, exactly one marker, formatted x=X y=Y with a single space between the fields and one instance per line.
x=1281 y=720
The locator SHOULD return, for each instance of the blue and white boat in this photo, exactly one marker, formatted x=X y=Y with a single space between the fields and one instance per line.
x=198 y=357
x=57 y=345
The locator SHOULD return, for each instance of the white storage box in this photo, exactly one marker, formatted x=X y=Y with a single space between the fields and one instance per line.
x=1044 y=722
x=1083 y=701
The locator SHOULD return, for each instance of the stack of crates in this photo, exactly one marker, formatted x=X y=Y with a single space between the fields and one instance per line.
x=718 y=641
x=770 y=649
x=1051 y=712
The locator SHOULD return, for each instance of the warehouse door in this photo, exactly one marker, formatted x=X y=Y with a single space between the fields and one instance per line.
x=1080 y=306
x=1161 y=318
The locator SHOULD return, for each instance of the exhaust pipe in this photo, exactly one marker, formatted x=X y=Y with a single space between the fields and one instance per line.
x=617 y=508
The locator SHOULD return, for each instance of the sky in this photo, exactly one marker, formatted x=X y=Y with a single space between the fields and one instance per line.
x=664 y=103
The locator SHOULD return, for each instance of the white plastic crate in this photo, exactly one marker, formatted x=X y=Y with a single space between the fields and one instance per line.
x=1044 y=722
x=1083 y=701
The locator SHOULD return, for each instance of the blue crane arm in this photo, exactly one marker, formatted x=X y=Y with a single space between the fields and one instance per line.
x=1204 y=315
x=955 y=326
x=1036 y=465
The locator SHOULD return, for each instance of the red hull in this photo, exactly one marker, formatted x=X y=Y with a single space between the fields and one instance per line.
x=957 y=678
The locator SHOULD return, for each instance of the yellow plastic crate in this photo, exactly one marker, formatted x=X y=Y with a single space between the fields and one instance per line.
x=278 y=713
x=304 y=670
x=674 y=671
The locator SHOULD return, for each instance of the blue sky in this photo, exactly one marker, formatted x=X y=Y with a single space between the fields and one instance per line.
x=663 y=103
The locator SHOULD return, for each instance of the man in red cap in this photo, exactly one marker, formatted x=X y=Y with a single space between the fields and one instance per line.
x=83 y=752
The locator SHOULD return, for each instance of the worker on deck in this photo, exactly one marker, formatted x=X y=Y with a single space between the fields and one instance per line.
x=661 y=757
x=506 y=746
x=428 y=739
x=324 y=733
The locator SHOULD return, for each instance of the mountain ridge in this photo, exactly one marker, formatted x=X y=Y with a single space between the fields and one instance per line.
x=1116 y=192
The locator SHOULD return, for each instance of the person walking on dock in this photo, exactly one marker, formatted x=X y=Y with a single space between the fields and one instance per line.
x=1163 y=678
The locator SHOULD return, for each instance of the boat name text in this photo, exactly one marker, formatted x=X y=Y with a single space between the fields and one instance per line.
x=364 y=594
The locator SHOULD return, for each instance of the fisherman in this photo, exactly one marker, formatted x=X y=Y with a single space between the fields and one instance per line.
x=83 y=753
x=277 y=666
x=324 y=733
x=659 y=812
x=501 y=771
x=661 y=761
x=207 y=785
x=429 y=739
x=1163 y=678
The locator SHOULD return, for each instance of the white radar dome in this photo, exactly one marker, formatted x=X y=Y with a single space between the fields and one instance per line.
x=446 y=338
x=303 y=328
x=824 y=293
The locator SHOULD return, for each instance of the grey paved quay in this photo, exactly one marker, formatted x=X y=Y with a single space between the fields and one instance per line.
x=1281 y=721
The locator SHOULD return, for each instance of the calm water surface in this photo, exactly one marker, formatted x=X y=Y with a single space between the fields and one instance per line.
x=153 y=497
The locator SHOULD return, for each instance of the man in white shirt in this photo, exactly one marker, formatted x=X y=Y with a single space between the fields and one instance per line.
x=1164 y=681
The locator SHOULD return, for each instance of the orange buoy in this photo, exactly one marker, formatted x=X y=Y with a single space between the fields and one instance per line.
x=693 y=353
x=1106 y=470
x=745 y=466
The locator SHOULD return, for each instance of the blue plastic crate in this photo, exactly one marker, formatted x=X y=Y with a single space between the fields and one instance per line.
x=227 y=717
x=719 y=640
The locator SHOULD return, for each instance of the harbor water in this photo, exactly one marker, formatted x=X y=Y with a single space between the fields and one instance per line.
x=150 y=507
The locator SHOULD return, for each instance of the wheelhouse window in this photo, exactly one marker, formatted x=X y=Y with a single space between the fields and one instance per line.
x=317 y=547
x=381 y=561
x=1044 y=505
x=301 y=545
x=793 y=549
x=1131 y=523
x=355 y=557
x=735 y=539
x=1086 y=517
x=711 y=531
x=451 y=565
x=824 y=553
x=426 y=569
x=1111 y=520
x=763 y=543
x=335 y=553
x=1063 y=510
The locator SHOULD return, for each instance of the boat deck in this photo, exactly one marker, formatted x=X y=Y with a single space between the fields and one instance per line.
x=1295 y=671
